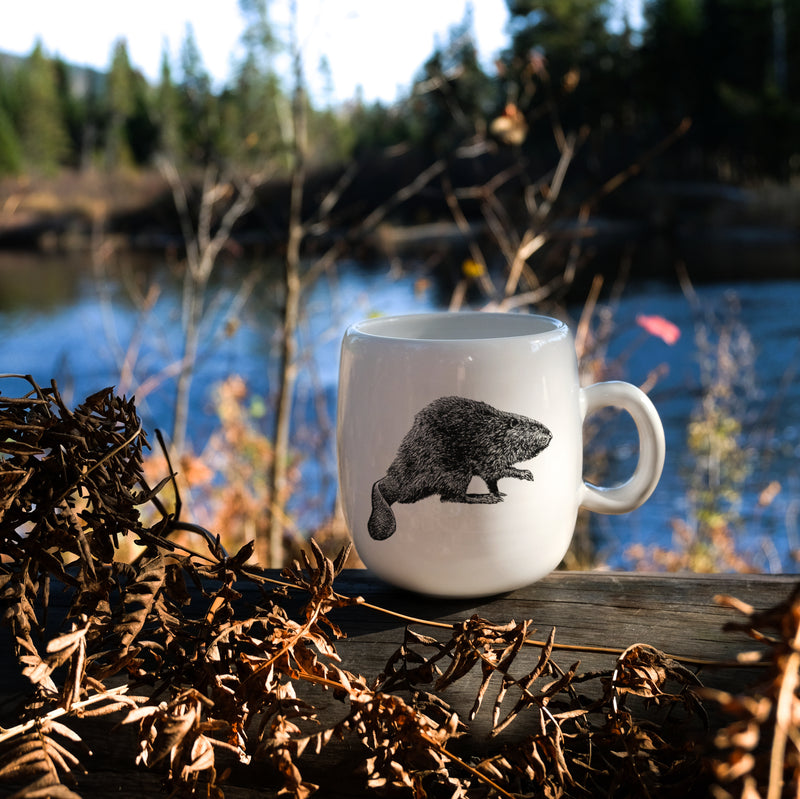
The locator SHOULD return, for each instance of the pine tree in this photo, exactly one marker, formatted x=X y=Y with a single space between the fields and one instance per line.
x=121 y=103
x=45 y=142
x=10 y=148
x=263 y=110
x=562 y=52
x=168 y=112
x=567 y=32
x=200 y=122
x=454 y=98
x=676 y=77
x=261 y=106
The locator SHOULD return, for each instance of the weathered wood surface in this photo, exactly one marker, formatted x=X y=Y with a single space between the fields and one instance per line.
x=675 y=614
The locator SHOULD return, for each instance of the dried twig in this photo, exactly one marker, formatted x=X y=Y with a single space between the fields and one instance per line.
x=226 y=677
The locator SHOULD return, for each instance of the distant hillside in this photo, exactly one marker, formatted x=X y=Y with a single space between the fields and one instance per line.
x=83 y=81
x=9 y=61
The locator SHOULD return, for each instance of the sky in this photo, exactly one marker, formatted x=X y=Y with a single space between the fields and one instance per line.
x=375 y=44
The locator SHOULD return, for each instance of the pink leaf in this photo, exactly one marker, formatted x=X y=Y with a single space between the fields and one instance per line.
x=660 y=327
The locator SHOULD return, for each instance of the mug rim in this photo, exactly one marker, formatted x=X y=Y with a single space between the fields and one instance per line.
x=497 y=325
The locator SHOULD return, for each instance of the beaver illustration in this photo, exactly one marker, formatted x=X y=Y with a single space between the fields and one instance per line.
x=452 y=440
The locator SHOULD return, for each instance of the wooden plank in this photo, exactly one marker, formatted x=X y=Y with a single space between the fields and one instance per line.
x=674 y=613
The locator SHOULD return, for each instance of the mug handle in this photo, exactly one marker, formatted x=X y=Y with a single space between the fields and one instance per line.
x=640 y=485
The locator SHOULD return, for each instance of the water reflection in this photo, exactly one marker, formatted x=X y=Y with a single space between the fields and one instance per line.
x=58 y=321
x=32 y=283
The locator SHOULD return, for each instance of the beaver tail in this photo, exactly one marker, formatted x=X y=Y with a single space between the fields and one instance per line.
x=381 y=522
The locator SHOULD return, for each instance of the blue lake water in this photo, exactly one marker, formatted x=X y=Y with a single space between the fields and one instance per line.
x=58 y=321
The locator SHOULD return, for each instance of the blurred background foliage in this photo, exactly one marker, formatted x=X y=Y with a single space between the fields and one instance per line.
x=727 y=64
x=515 y=157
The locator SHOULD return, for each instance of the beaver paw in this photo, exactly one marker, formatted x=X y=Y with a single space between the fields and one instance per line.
x=483 y=499
x=522 y=474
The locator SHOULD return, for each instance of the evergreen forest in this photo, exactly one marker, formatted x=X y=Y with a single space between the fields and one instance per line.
x=727 y=65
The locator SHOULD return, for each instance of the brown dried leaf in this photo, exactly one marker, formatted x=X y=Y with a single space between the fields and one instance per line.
x=172 y=729
x=140 y=598
x=60 y=649
x=12 y=480
x=11 y=447
x=201 y=756
x=38 y=757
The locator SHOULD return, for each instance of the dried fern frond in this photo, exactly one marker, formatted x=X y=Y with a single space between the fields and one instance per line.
x=232 y=682
x=41 y=759
x=758 y=753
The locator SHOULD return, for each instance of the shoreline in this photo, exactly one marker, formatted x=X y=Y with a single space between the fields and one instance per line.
x=726 y=232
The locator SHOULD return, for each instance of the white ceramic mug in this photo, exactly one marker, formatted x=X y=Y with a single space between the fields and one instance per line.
x=460 y=448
